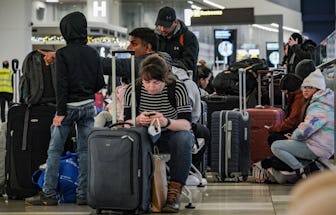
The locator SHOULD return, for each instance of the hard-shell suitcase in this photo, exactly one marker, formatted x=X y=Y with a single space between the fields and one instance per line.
x=261 y=116
x=120 y=164
x=217 y=103
x=27 y=146
x=230 y=139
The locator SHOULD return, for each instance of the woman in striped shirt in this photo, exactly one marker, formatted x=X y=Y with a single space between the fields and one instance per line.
x=174 y=116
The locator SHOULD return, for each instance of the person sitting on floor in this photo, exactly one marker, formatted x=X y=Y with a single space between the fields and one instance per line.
x=296 y=107
x=314 y=137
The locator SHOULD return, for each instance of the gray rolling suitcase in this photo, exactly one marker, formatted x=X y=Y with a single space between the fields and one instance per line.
x=120 y=164
x=230 y=139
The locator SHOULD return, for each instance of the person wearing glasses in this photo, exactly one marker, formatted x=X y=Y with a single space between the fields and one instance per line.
x=314 y=137
x=175 y=137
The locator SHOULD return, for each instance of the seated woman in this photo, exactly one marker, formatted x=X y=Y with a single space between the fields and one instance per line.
x=290 y=85
x=176 y=137
x=204 y=75
x=314 y=137
x=105 y=117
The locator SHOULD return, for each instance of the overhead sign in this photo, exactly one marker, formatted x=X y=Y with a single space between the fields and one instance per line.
x=223 y=17
x=225 y=46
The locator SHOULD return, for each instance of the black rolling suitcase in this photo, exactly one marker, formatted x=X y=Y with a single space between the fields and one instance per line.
x=28 y=136
x=230 y=139
x=120 y=165
x=217 y=103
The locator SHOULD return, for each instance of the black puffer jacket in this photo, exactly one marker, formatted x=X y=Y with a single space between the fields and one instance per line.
x=78 y=70
x=187 y=52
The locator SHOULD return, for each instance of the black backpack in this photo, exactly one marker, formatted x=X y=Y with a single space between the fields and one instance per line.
x=227 y=82
x=38 y=81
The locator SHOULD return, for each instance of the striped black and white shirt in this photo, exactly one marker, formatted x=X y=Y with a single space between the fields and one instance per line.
x=160 y=102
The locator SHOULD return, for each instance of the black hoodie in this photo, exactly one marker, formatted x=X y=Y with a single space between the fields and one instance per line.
x=78 y=70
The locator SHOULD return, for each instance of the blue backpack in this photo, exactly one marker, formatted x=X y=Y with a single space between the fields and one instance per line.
x=67 y=181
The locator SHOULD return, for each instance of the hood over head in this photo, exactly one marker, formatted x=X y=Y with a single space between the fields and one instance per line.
x=74 y=28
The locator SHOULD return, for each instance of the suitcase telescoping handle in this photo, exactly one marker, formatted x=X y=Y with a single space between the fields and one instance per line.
x=271 y=87
x=242 y=92
x=114 y=76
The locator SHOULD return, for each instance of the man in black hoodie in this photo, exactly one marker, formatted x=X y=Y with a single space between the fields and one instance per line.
x=177 y=40
x=79 y=76
x=142 y=41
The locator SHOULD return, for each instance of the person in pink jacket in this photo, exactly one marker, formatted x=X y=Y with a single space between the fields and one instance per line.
x=314 y=137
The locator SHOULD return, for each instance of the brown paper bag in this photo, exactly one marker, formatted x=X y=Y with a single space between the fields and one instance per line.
x=159 y=184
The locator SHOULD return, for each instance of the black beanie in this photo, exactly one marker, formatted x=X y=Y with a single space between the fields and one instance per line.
x=304 y=68
x=290 y=82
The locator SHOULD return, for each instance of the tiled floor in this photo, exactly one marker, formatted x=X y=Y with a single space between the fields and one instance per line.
x=215 y=198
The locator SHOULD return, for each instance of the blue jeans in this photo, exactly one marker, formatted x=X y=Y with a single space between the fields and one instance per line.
x=83 y=117
x=290 y=150
x=179 y=145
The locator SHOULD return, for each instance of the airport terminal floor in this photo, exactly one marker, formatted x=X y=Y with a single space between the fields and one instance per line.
x=216 y=198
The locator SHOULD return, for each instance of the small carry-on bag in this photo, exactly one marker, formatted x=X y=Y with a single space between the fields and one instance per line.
x=120 y=160
x=230 y=139
x=261 y=116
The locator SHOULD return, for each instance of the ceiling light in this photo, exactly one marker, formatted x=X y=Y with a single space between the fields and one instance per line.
x=52 y=1
x=214 y=4
x=265 y=28
x=190 y=2
x=285 y=28
x=195 y=7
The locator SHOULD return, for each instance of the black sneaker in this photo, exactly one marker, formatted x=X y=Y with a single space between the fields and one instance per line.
x=43 y=199
x=81 y=199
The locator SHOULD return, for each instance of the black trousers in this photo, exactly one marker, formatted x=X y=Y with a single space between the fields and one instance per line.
x=3 y=98
x=200 y=131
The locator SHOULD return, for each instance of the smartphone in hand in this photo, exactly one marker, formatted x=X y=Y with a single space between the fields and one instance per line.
x=150 y=113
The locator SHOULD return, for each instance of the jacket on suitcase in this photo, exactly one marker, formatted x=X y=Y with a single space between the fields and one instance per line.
x=120 y=164
x=230 y=139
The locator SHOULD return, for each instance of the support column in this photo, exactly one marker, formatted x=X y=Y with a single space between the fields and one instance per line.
x=16 y=29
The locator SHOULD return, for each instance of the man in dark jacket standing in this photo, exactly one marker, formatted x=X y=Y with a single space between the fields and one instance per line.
x=175 y=39
x=79 y=76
